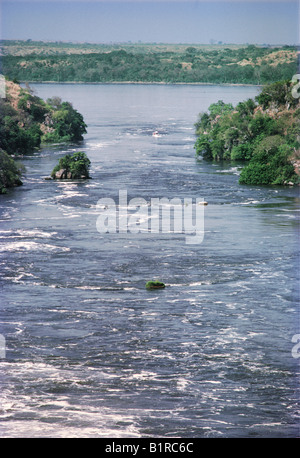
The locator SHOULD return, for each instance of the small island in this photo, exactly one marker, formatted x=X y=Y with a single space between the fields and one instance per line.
x=155 y=284
x=72 y=167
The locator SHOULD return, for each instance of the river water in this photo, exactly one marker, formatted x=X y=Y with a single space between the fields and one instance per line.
x=89 y=352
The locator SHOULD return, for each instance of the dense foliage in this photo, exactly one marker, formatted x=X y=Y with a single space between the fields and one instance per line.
x=26 y=121
x=19 y=133
x=10 y=172
x=264 y=132
x=75 y=166
x=252 y=65
x=65 y=124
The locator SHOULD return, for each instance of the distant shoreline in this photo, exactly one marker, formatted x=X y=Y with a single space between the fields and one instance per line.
x=141 y=82
x=250 y=66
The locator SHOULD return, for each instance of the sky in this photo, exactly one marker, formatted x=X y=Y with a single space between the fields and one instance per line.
x=160 y=21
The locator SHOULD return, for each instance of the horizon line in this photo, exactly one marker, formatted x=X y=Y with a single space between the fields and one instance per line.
x=129 y=42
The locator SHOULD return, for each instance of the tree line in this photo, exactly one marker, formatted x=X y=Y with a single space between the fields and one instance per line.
x=249 y=65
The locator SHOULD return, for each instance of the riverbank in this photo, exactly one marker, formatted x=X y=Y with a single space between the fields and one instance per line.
x=149 y=83
x=27 y=121
x=262 y=133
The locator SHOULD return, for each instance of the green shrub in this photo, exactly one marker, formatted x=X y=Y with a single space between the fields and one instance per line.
x=270 y=164
x=54 y=137
x=68 y=124
x=34 y=106
x=18 y=140
x=256 y=174
x=203 y=147
x=242 y=152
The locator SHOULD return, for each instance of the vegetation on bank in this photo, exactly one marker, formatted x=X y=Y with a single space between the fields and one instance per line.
x=140 y=63
x=26 y=121
x=262 y=133
x=10 y=172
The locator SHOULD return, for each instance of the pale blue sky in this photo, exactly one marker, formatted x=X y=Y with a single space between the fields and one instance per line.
x=172 y=21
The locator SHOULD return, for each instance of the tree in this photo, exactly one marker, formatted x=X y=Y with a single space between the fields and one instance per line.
x=68 y=123
x=219 y=108
x=17 y=140
x=54 y=102
x=246 y=109
x=203 y=147
x=277 y=94
x=262 y=124
x=270 y=163
x=34 y=106
x=242 y=152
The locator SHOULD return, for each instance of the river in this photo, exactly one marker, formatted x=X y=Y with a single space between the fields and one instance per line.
x=89 y=352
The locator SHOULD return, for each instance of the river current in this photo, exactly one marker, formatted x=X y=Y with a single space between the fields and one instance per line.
x=89 y=352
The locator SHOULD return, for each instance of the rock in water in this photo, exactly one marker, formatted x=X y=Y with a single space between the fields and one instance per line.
x=155 y=285
x=61 y=174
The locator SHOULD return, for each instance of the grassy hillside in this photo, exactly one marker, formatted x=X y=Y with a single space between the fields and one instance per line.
x=23 y=48
x=67 y=62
